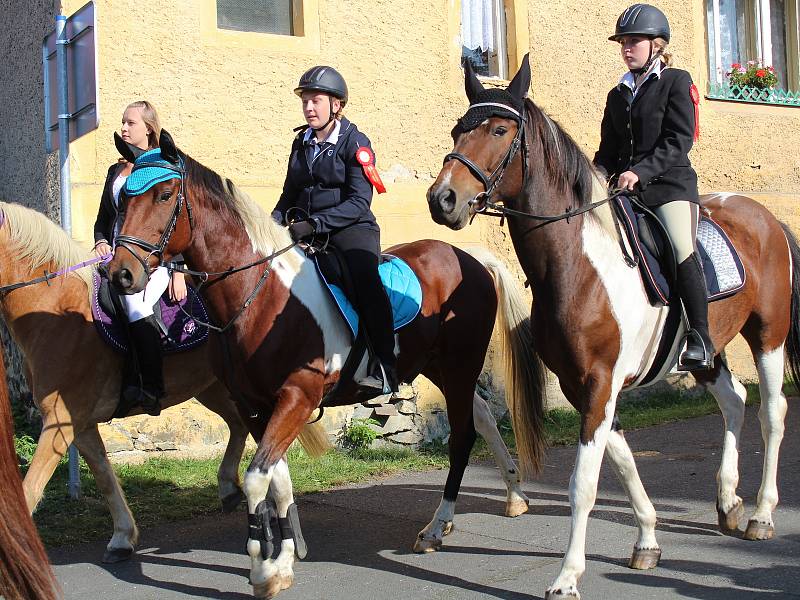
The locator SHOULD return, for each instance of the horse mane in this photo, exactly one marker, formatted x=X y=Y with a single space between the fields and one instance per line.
x=567 y=166
x=38 y=241
x=266 y=235
x=24 y=569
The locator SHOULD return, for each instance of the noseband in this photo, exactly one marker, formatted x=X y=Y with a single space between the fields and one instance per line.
x=157 y=250
x=490 y=183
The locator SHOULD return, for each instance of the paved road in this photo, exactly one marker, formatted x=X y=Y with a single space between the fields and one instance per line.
x=359 y=536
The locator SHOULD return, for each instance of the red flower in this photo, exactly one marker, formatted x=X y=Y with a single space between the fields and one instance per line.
x=735 y=66
x=761 y=73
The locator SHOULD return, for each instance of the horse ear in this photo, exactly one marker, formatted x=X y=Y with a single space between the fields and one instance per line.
x=168 y=150
x=519 y=86
x=471 y=83
x=127 y=151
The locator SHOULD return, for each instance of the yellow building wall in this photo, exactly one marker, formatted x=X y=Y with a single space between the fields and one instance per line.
x=227 y=97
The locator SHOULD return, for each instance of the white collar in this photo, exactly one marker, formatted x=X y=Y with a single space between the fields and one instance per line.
x=332 y=138
x=629 y=79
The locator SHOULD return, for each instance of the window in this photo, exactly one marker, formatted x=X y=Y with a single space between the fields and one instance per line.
x=761 y=30
x=484 y=37
x=260 y=16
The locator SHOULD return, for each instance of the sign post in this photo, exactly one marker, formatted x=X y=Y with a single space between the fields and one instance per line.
x=69 y=57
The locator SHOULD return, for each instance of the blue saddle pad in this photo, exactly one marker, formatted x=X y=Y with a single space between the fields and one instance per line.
x=722 y=266
x=401 y=284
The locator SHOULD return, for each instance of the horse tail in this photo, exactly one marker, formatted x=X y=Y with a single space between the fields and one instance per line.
x=523 y=369
x=314 y=439
x=793 y=339
x=25 y=572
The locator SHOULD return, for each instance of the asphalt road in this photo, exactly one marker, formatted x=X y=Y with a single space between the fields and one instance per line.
x=359 y=537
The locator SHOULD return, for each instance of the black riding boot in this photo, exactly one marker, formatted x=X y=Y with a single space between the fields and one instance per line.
x=699 y=353
x=145 y=340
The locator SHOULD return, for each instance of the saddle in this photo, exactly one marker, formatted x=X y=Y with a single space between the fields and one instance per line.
x=405 y=297
x=179 y=331
x=650 y=250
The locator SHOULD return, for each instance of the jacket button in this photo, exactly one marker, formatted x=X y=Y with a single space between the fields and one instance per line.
x=627 y=109
x=628 y=126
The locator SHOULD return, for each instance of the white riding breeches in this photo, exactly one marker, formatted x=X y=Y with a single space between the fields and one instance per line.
x=680 y=218
x=139 y=306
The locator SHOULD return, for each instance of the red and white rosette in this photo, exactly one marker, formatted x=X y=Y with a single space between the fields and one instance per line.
x=366 y=159
x=696 y=101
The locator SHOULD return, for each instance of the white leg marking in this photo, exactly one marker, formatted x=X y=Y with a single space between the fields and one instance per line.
x=486 y=426
x=730 y=395
x=771 y=414
x=441 y=524
x=281 y=491
x=624 y=466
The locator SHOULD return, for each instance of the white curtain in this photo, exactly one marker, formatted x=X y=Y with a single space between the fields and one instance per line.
x=477 y=24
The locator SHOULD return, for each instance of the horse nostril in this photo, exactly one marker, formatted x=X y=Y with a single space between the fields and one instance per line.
x=125 y=278
x=447 y=200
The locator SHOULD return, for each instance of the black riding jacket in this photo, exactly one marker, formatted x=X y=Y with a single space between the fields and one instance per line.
x=651 y=135
x=333 y=188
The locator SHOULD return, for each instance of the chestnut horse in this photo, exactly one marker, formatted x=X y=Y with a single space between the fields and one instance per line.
x=592 y=323
x=287 y=340
x=24 y=569
x=75 y=376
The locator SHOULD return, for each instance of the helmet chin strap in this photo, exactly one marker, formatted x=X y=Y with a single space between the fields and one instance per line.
x=331 y=116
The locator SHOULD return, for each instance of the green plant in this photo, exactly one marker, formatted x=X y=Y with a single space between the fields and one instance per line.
x=24 y=446
x=357 y=434
x=754 y=75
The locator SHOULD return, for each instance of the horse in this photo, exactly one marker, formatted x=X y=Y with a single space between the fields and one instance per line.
x=591 y=319
x=286 y=340
x=25 y=571
x=76 y=386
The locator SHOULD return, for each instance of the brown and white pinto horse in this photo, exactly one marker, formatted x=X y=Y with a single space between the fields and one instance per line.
x=288 y=347
x=593 y=325
x=25 y=572
x=75 y=376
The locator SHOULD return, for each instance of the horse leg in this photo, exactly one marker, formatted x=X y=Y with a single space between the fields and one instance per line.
x=485 y=424
x=216 y=398
x=771 y=415
x=595 y=427
x=268 y=576
x=126 y=534
x=646 y=552
x=292 y=541
x=462 y=438
x=56 y=436
x=730 y=395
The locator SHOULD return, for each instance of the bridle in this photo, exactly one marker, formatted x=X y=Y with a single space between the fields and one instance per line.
x=157 y=250
x=482 y=201
x=490 y=183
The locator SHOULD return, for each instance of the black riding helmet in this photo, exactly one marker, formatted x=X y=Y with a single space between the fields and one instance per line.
x=323 y=79
x=644 y=20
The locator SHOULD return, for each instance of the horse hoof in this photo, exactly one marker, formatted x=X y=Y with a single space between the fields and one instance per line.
x=645 y=558
x=232 y=501
x=271 y=588
x=116 y=555
x=758 y=531
x=516 y=508
x=423 y=546
x=559 y=594
x=729 y=522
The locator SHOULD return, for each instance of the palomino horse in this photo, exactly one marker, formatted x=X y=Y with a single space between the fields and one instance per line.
x=287 y=348
x=592 y=323
x=24 y=569
x=76 y=382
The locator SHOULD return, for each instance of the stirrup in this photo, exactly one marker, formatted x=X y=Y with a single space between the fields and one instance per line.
x=693 y=363
x=380 y=384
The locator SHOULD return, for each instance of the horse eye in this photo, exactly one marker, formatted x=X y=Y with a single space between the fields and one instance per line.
x=165 y=196
x=500 y=131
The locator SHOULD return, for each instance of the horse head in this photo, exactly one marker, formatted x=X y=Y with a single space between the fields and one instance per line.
x=156 y=227
x=487 y=142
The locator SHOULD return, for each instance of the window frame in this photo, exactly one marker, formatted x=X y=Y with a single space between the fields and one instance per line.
x=758 y=39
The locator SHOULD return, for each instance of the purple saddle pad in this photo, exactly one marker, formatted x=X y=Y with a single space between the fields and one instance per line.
x=183 y=331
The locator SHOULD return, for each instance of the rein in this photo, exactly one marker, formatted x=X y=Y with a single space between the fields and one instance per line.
x=48 y=276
